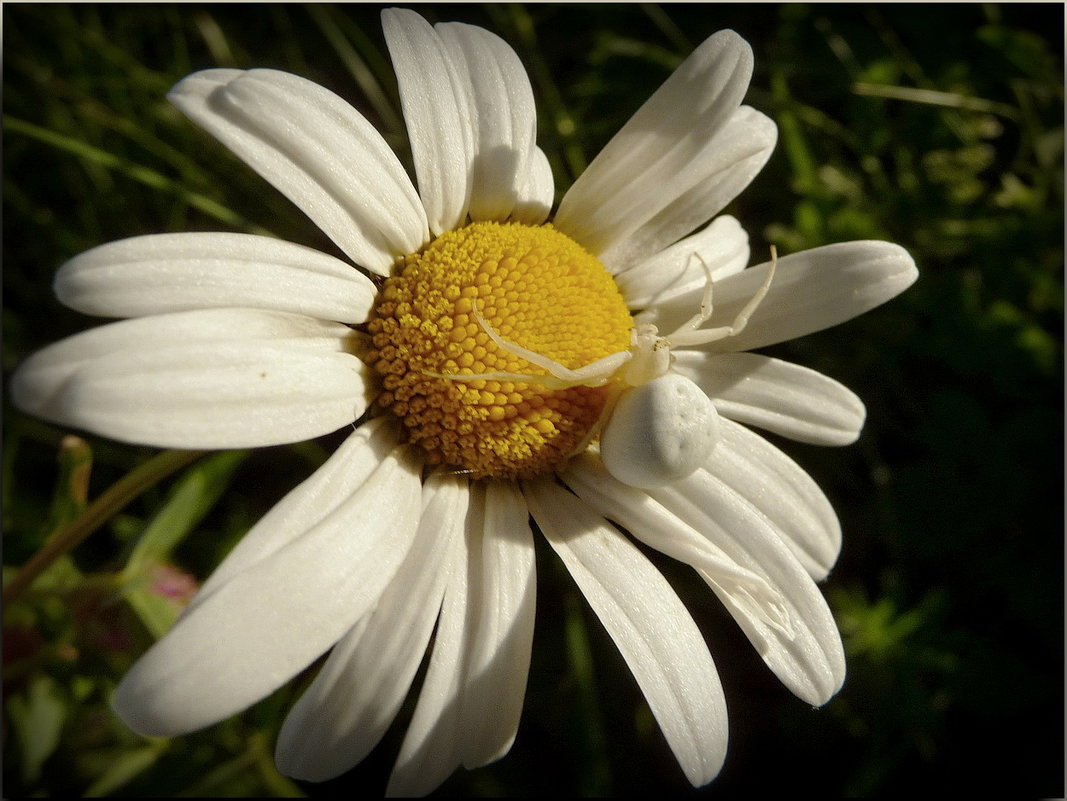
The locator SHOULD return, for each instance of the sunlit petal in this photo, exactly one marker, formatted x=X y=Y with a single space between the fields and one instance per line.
x=778 y=396
x=650 y=626
x=308 y=504
x=787 y=496
x=433 y=745
x=435 y=99
x=535 y=196
x=724 y=168
x=811 y=290
x=806 y=654
x=503 y=115
x=721 y=248
x=660 y=154
x=269 y=621
x=316 y=149
x=225 y=378
x=648 y=522
x=500 y=647
x=358 y=692
x=178 y=272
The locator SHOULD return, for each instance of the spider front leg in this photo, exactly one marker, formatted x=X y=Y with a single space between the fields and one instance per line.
x=594 y=374
x=689 y=333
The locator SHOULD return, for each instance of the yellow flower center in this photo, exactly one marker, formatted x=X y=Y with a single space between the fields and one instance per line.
x=535 y=288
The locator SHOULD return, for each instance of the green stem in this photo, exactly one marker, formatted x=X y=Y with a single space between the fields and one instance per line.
x=110 y=502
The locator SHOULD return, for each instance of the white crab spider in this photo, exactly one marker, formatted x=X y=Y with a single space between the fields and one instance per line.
x=661 y=426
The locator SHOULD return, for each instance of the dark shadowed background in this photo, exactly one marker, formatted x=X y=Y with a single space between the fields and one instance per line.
x=939 y=127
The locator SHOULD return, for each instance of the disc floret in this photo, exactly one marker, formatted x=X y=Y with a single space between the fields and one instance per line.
x=430 y=333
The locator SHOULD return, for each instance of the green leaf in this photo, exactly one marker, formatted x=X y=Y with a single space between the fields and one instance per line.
x=37 y=717
x=1024 y=49
x=192 y=498
x=793 y=140
x=125 y=768
x=137 y=172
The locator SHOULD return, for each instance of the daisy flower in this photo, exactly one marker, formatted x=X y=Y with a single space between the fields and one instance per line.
x=590 y=374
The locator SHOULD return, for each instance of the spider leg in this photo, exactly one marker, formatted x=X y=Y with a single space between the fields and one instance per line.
x=705 y=300
x=687 y=334
x=593 y=374
x=547 y=381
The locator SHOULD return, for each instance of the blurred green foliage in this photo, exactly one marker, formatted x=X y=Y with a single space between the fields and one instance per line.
x=936 y=126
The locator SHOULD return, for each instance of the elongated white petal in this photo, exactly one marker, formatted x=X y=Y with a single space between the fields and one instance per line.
x=660 y=154
x=784 y=617
x=207 y=325
x=778 y=396
x=721 y=249
x=649 y=522
x=163 y=273
x=786 y=495
x=811 y=290
x=218 y=378
x=213 y=395
x=652 y=629
x=536 y=195
x=270 y=621
x=499 y=659
x=502 y=110
x=469 y=708
x=435 y=99
x=728 y=164
x=807 y=655
x=317 y=150
x=433 y=745
x=41 y=377
x=308 y=504
x=356 y=695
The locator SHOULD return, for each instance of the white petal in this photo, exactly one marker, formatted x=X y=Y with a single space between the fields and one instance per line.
x=811 y=290
x=308 y=504
x=806 y=655
x=783 y=492
x=778 y=396
x=433 y=745
x=471 y=701
x=650 y=162
x=218 y=378
x=435 y=97
x=727 y=165
x=782 y=613
x=649 y=522
x=178 y=272
x=356 y=695
x=213 y=395
x=217 y=395
x=535 y=197
x=317 y=150
x=270 y=621
x=722 y=245
x=499 y=659
x=502 y=110
x=649 y=624
x=42 y=375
